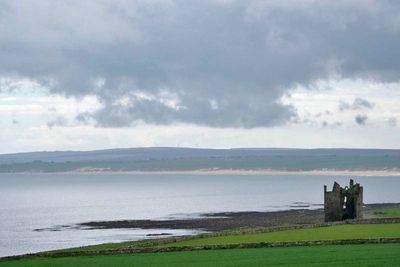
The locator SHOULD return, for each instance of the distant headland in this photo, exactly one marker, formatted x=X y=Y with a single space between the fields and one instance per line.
x=211 y=161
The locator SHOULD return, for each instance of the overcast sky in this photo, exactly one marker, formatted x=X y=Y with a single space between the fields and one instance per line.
x=80 y=75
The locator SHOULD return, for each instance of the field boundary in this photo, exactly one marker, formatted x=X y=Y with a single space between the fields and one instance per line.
x=153 y=245
x=259 y=230
x=130 y=250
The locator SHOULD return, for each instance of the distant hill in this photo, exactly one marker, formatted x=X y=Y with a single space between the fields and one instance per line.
x=173 y=158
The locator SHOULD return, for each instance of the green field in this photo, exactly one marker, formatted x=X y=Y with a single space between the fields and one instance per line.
x=343 y=231
x=338 y=255
x=384 y=213
x=322 y=255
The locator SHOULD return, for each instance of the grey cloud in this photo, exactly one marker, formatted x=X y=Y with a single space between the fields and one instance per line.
x=242 y=56
x=84 y=117
x=52 y=109
x=392 y=122
x=357 y=104
x=59 y=121
x=231 y=112
x=361 y=119
x=325 y=113
x=334 y=124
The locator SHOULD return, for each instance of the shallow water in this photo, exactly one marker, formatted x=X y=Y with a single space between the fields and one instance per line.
x=32 y=201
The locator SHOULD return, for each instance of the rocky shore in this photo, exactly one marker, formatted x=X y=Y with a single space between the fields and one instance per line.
x=227 y=220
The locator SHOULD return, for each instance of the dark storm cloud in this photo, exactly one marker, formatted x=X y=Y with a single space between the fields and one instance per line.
x=216 y=63
x=361 y=119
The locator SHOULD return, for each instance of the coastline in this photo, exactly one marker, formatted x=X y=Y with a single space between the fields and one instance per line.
x=212 y=222
x=356 y=172
x=216 y=224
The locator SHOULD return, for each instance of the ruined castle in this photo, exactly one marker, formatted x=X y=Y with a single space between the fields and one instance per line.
x=343 y=203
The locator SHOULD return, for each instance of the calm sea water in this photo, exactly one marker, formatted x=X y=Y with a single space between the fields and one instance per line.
x=32 y=201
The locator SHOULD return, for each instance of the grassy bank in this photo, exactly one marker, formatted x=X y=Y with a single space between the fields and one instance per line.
x=384 y=213
x=252 y=252
x=344 y=231
x=338 y=255
x=255 y=235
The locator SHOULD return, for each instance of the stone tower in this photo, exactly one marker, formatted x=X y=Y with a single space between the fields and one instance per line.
x=343 y=203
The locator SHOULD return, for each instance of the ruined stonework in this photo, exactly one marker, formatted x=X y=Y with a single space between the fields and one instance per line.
x=343 y=203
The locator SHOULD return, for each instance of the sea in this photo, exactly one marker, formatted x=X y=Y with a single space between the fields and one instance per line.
x=38 y=211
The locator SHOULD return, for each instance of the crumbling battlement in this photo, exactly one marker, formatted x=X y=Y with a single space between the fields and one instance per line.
x=343 y=203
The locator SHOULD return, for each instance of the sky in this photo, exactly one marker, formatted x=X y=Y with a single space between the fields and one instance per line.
x=85 y=75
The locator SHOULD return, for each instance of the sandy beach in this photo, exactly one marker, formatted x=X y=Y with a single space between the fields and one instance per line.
x=333 y=172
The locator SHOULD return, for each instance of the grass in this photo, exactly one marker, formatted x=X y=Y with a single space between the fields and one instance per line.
x=385 y=212
x=338 y=255
x=327 y=255
x=146 y=243
x=344 y=231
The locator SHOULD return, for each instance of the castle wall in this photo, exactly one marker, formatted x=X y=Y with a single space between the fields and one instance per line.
x=343 y=203
x=333 y=204
x=359 y=202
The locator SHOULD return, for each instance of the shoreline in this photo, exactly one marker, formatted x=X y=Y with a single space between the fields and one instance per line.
x=362 y=172
x=230 y=222
x=214 y=222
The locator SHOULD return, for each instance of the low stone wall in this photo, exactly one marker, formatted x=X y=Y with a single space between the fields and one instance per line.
x=226 y=246
x=259 y=230
x=149 y=245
